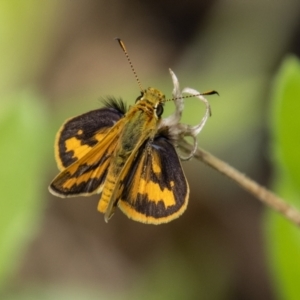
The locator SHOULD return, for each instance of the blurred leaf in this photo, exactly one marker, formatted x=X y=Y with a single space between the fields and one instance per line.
x=22 y=151
x=26 y=32
x=283 y=236
x=285 y=120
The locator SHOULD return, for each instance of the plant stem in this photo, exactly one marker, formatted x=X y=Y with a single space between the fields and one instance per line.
x=260 y=192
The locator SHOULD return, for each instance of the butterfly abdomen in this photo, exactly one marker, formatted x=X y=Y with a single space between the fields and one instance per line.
x=135 y=132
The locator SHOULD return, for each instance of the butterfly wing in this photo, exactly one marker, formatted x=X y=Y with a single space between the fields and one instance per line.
x=155 y=189
x=87 y=175
x=79 y=135
x=84 y=146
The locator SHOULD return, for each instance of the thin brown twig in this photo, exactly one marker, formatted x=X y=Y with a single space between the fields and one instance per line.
x=261 y=193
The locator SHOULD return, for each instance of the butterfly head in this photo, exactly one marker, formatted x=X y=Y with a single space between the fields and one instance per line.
x=153 y=100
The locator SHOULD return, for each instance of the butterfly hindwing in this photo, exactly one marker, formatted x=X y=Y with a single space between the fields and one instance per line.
x=155 y=190
x=80 y=134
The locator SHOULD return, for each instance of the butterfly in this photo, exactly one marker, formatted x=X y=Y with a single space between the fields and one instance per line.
x=127 y=156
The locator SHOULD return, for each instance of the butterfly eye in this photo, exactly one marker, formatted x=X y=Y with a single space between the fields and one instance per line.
x=139 y=97
x=159 y=110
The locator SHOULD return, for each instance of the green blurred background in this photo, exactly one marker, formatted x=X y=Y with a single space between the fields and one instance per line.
x=58 y=58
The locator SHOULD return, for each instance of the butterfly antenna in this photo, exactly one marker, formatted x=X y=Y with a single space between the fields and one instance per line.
x=212 y=92
x=122 y=45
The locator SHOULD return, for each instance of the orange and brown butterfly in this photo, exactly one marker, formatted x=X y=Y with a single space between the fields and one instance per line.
x=128 y=156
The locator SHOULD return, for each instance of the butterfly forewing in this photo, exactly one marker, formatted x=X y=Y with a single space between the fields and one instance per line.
x=80 y=134
x=85 y=157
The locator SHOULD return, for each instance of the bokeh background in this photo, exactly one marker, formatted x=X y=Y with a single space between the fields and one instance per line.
x=58 y=58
